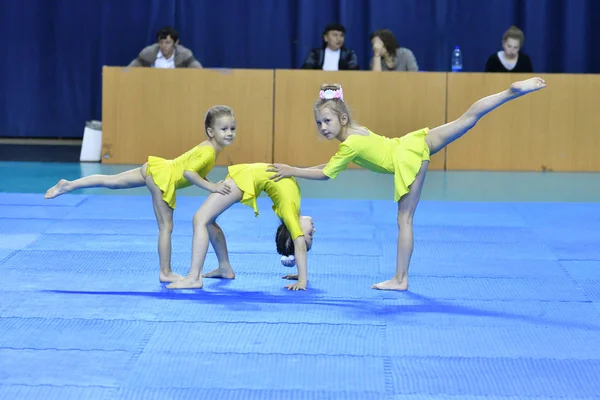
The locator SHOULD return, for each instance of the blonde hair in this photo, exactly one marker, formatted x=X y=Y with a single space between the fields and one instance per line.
x=214 y=113
x=514 y=33
x=337 y=105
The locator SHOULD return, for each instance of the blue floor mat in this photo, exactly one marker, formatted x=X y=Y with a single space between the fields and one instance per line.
x=13 y=214
x=459 y=376
x=64 y=367
x=269 y=371
x=49 y=392
x=6 y=253
x=25 y=226
x=243 y=394
x=582 y=269
x=503 y=303
x=17 y=241
x=76 y=334
x=257 y=338
x=34 y=199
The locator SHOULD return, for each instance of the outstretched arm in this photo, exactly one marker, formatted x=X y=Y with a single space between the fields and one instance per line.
x=319 y=166
x=285 y=171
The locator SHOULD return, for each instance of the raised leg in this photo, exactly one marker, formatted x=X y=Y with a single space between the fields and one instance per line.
x=214 y=205
x=125 y=180
x=164 y=218
x=440 y=137
x=406 y=211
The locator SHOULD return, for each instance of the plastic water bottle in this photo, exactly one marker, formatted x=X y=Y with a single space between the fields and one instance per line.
x=457 y=60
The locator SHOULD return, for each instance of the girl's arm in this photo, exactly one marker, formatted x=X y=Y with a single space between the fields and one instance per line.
x=301 y=261
x=319 y=166
x=194 y=178
x=285 y=171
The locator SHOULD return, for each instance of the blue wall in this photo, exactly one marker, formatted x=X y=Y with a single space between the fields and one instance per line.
x=54 y=50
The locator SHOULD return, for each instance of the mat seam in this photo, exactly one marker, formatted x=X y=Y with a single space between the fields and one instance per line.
x=59 y=386
x=195 y=321
x=368 y=356
x=119 y=391
x=199 y=292
x=38 y=205
x=387 y=360
x=127 y=371
x=578 y=287
x=99 y=350
x=9 y=256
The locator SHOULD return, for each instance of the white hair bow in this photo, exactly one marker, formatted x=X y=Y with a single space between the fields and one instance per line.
x=288 y=261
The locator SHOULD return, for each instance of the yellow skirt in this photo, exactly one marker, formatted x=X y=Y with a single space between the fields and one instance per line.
x=243 y=176
x=408 y=155
x=164 y=176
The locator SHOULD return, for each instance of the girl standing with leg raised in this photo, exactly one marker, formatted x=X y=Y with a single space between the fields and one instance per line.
x=407 y=157
x=164 y=177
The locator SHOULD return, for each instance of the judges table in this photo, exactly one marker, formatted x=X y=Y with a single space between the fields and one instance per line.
x=161 y=112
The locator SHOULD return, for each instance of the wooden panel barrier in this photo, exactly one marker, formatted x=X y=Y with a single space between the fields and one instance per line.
x=555 y=129
x=389 y=104
x=161 y=112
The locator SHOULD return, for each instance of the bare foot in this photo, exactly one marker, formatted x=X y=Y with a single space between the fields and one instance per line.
x=392 y=284
x=186 y=283
x=221 y=272
x=170 y=277
x=57 y=190
x=528 y=85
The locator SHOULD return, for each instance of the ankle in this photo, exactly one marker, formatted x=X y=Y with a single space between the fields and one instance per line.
x=194 y=277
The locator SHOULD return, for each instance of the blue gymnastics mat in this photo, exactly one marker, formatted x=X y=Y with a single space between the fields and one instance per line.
x=504 y=303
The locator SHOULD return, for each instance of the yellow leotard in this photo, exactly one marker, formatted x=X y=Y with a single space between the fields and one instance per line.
x=252 y=179
x=399 y=156
x=168 y=174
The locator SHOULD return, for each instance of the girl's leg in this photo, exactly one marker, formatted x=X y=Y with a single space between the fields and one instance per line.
x=217 y=240
x=406 y=211
x=125 y=180
x=440 y=137
x=164 y=218
x=214 y=205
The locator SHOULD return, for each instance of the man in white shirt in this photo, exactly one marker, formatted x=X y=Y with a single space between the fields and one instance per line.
x=166 y=53
x=332 y=56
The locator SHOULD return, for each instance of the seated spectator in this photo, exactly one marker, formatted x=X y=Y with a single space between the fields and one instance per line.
x=388 y=55
x=166 y=53
x=511 y=58
x=332 y=55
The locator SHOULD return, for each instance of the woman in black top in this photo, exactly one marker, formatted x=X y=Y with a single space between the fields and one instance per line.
x=510 y=59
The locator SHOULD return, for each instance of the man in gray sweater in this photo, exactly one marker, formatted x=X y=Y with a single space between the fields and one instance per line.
x=166 y=53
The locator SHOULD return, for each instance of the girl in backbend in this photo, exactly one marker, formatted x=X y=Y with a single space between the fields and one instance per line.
x=246 y=182
x=164 y=177
x=407 y=158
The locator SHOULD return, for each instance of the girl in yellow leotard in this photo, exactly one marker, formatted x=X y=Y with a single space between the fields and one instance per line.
x=407 y=158
x=164 y=177
x=246 y=182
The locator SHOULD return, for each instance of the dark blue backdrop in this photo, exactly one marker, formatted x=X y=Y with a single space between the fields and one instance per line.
x=54 y=50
